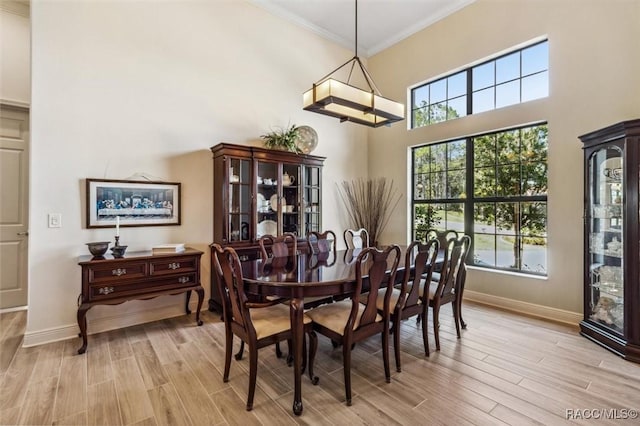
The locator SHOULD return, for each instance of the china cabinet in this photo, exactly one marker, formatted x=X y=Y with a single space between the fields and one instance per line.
x=258 y=191
x=612 y=241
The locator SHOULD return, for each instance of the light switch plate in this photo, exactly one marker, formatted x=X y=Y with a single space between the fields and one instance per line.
x=55 y=220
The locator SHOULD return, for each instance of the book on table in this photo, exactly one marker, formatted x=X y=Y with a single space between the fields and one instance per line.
x=167 y=248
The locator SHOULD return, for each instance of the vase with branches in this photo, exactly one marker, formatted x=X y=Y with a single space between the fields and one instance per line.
x=369 y=204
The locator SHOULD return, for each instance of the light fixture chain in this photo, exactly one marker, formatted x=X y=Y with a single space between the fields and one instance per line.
x=356 y=49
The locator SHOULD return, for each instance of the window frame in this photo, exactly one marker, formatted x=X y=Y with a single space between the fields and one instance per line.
x=471 y=92
x=470 y=200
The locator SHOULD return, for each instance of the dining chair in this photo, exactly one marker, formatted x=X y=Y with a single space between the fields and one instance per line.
x=322 y=252
x=285 y=245
x=447 y=288
x=406 y=299
x=356 y=239
x=349 y=321
x=256 y=324
x=319 y=242
x=443 y=236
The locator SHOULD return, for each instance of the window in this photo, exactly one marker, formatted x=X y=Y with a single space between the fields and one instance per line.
x=440 y=100
x=492 y=187
x=514 y=78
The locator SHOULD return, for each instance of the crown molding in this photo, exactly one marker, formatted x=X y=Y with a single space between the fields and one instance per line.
x=418 y=26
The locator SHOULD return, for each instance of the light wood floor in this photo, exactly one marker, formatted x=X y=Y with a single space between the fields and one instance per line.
x=506 y=369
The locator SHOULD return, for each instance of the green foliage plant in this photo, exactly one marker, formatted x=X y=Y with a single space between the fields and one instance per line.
x=282 y=138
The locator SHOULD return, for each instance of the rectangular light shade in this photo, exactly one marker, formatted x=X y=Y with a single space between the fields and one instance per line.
x=349 y=103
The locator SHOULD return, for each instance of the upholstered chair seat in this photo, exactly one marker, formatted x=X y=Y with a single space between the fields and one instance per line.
x=335 y=315
x=272 y=320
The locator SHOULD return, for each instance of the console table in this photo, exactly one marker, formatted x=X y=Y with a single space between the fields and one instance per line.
x=138 y=275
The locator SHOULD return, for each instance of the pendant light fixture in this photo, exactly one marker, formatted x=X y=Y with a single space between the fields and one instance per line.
x=347 y=102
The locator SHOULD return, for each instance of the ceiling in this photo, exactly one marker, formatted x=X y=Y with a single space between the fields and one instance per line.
x=381 y=23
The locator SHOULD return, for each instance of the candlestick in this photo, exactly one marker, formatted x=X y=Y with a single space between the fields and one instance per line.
x=117 y=226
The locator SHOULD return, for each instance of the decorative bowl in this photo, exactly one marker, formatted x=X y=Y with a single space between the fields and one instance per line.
x=118 y=251
x=98 y=248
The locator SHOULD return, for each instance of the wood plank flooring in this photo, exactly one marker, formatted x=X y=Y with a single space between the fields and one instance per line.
x=506 y=369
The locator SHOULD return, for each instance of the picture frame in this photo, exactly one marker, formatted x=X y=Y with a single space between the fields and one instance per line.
x=135 y=203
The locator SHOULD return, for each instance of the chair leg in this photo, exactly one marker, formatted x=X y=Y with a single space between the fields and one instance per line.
x=396 y=342
x=456 y=317
x=228 y=348
x=290 y=353
x=253 y=373
x=425 y=330
x=436 y=325
x=313 y=347
x=346 y=356
x=462 y=323
x=304 y=355
x=278 y=351
x=385 y=354
x=240 y=351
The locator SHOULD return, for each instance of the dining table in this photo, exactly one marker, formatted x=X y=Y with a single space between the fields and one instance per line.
x=303 y=276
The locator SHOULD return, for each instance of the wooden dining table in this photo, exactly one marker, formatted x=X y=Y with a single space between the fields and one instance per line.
x=303 y=276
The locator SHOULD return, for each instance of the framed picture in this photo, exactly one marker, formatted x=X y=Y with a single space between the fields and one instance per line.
x=136 y=203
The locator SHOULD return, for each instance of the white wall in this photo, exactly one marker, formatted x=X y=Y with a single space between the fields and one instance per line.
x=126 y=87
x=594 y=79
x=15 y=75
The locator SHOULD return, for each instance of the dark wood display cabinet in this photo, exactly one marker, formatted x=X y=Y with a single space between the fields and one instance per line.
x=259 y=191
x=138 y=275
x=612 y=238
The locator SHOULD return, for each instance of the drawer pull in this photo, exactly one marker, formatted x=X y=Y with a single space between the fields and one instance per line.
x=183 y=280
x=105 y=290
x=174 y=265
x=118 y=272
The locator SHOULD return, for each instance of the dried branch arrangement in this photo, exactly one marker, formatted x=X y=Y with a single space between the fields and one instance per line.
x=369 y=204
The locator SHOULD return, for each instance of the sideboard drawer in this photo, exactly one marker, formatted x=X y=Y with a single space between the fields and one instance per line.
x=173 y=266
x=123 y=271
x=116 y=290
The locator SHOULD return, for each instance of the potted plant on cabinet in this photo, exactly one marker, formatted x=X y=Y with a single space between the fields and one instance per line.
x=283 y=138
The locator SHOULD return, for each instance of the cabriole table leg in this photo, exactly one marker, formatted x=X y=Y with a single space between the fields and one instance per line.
x=82 y=323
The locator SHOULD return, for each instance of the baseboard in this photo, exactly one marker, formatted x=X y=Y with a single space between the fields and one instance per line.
x=540 y=311
x=133 y=318
x=17 y=308
x=107 y=323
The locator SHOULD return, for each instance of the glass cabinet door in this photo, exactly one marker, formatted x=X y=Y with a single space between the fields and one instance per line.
x=312 y=197
x=290 y=203
x=267 y=199
x=605 y=233
x=239 y=199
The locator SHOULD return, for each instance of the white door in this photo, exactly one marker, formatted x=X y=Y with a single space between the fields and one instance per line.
x=14 y=205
